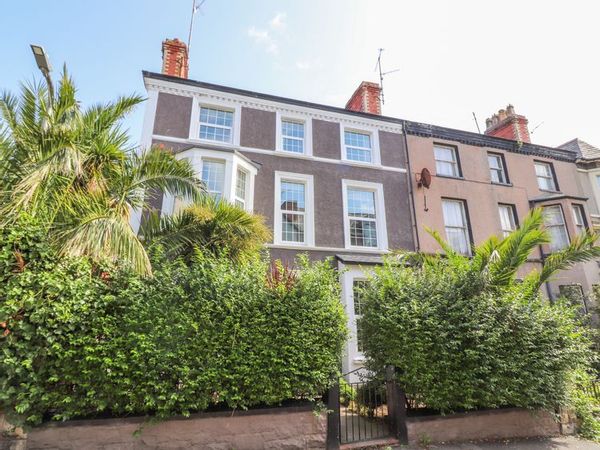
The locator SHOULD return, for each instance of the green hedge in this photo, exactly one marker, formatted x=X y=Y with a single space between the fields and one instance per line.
x=459 y=345
x=84 y=341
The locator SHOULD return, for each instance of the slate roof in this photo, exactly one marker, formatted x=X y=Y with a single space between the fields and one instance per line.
x=410 y=127
x=581 y=148
x=359 y=259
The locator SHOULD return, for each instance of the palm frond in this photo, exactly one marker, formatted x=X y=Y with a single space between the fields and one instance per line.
x=447 y=248
x=582 y=248
x=514 y=250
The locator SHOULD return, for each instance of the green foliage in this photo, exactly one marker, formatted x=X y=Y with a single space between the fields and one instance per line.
x=82 y=340
x=347 y=392
x=465 y=335
x=217 y=227
x=586 y=406
x=75 y=169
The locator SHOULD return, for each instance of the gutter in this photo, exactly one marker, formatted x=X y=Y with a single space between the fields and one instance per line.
x=411 y=199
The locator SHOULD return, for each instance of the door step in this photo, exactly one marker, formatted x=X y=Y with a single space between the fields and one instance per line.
x=373 y=444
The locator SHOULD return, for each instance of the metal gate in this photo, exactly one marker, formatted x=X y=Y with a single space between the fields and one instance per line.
x=364 y=407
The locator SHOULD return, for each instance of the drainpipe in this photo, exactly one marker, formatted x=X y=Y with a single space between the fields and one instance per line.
x=411 y=199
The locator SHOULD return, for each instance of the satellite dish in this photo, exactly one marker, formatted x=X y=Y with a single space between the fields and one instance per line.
x=424 y=179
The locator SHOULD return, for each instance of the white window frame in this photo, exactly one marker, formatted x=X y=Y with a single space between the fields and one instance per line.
x=374 y=136
x=578 y=213
x=236 y=198
x=357 y=317
x=501 y=169
x=380 y=220
x=306 y=121
x=467 y=225
x=199 y=102
x=564 y=226
x=552 y=176
x=232 y=161
x=512 y=217
x=456 y=161
x=309 y=209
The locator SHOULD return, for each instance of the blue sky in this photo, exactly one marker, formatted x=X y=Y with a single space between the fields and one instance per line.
x=455 y=57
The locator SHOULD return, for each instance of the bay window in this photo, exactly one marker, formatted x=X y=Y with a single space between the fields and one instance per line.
x=554 y=221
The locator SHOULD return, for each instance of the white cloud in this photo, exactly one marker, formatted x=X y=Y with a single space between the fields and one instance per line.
x=263 y=37
x=278 y=22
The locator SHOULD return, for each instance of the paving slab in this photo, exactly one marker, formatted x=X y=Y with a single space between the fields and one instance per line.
x=559 y=443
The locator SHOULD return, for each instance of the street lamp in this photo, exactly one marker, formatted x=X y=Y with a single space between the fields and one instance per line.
x=43 y=63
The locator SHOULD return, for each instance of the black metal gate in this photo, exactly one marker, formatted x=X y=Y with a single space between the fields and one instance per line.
x=364 y=407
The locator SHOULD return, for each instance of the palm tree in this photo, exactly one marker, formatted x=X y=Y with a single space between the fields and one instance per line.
x=75 y=170
x=217 y=227
x=498 y=260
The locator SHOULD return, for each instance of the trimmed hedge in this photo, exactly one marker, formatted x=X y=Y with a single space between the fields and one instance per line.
x=459 y=345
x=84 y=341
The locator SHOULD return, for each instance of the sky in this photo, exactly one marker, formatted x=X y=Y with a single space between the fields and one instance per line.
x=453 y=57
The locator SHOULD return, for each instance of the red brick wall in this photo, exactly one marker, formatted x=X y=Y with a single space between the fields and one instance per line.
x=175 y=58
x=366 y=98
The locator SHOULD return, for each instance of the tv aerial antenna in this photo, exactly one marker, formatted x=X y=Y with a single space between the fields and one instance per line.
x=382 y=74
x=196 y=4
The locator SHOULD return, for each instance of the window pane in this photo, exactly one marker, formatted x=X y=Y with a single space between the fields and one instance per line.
x=545 y=177
x=240 y=187
x=357 y=287
x=216 y=117
x=292 y=129
x=507 y=219
x=445 y=161
x=555 y=224
x=292 y=196
x=353 y=139
x=292 y=227
x=453 y=214
x=496 y=169
x=213 y=175
x=358 y=146
x=578 y=218
x=363 y=233
x=456 y=225
x=293 y=136
x=361 y=203
x=215 y=124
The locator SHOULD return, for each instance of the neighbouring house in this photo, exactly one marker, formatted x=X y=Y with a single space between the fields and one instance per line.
x=484 y=184
x=346 y=182
x=588 y=167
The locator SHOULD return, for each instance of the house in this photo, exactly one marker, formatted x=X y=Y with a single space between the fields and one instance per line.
x=346 y=182
x=484 y=184
x=588 y=168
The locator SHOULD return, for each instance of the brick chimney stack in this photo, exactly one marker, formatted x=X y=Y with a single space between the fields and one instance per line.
x=508 y=125
x=175 y=58
x=366 y=98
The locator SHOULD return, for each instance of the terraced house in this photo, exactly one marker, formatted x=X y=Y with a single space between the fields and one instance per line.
x=348 y=183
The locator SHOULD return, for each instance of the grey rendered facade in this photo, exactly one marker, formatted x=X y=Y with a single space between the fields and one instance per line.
x=255 y=146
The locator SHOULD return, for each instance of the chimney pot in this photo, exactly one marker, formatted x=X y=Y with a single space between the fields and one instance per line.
x=366 y=98
x=175 y=58
x=508 y=125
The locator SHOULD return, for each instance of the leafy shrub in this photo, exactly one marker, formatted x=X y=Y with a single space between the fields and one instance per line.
x=84 y=341
x=586 y=406
x=347 y=392
x=464 y=334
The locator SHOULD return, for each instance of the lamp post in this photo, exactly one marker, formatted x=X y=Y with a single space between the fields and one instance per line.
x=43 y=63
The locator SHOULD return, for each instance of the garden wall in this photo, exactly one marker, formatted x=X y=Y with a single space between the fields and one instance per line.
x=269 y=428
x=490 y=424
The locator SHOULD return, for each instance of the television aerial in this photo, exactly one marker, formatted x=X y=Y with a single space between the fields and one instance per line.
x=382 y=74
